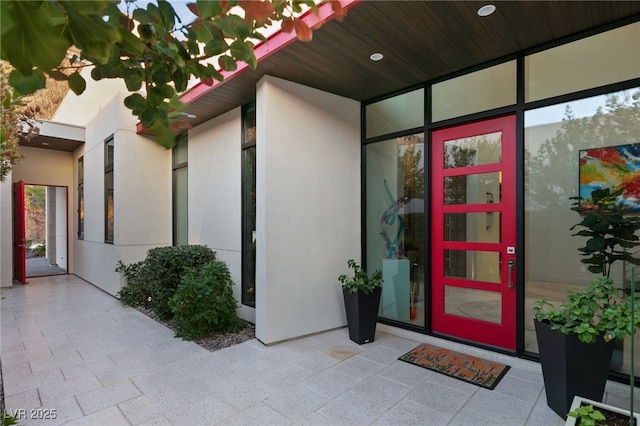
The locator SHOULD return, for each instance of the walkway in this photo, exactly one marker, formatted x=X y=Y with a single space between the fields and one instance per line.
x=68 y=347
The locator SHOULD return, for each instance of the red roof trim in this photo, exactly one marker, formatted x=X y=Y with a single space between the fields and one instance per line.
x=274 y=43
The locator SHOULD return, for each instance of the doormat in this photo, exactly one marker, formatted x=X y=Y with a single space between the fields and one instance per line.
x=468 y=368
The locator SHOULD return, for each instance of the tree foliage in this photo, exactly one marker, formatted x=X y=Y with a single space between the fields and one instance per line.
x=150 y=49
x=16 y=121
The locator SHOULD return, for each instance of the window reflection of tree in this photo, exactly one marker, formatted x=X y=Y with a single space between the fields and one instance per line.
x=411 y=186
x=552 y=168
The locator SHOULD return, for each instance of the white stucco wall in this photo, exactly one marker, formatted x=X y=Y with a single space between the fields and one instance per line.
x=6 y=234
x=308 y=207
x=142 y=197
x=215 y=202
x=80 y=109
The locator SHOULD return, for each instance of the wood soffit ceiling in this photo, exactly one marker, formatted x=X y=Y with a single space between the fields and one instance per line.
x=420 y=40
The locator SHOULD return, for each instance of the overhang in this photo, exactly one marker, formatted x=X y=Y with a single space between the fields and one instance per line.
x=56 y=136
x=420 y=40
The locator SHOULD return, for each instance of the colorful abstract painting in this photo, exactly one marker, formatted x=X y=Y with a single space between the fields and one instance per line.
x=612 y=167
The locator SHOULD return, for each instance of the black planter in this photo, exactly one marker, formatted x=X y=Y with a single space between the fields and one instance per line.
x=362 y=314
x=571 y=367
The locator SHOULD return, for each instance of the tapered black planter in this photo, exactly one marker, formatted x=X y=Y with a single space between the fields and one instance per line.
x=571 y=367
x=362 y=314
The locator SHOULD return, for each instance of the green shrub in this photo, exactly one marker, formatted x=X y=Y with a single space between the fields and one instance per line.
x=204 y=302
x=156 y=279
x=40 y=250
x=138 y=291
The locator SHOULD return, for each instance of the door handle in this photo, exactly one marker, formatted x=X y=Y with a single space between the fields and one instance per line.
x=511 y=265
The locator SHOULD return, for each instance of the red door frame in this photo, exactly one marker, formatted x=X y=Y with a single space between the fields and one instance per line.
x=501 y=335
x=19 y=236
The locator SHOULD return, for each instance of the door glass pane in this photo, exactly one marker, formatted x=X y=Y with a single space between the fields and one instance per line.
x=472 y=265
x=473 y=151
x=472 y=227
x=480 y=188
x=471 y=303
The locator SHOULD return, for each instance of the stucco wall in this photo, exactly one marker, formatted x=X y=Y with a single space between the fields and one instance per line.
x=308 y=207
x=215 y=213
x=142 y=198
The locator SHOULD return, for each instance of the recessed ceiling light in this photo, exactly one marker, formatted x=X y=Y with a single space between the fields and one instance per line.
x=188 y=115
x=45 y=143
x=375 y=57
x=486 y=10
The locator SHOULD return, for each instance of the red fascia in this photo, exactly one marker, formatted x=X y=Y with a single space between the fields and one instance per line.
x=274 y=43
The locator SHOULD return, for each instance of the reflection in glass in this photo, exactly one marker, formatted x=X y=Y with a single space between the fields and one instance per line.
x=553 y=137
x=483 y=188
x=400 y=163
x=472 y=227
x=472 y=265
x=472 y=303
x=473 y=151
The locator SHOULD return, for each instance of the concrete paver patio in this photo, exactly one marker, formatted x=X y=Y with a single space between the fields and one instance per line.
x=68 y=347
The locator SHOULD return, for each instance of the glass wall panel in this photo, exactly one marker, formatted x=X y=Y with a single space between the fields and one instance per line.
x=249 y=226
x=402 y=112
x=180 y=206
x=479 y=188
x=554 y=137
x=602 y=59
x=109 y=208
x=249 y=205
x=81 y=198
x=473 y=303
x=478 y=91
x=395 y=224
x=180 y=192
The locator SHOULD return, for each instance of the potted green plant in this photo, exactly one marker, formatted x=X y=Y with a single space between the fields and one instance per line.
x=361 y=301
x=576 y=339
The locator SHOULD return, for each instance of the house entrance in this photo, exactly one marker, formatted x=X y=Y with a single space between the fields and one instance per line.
x=474 y=232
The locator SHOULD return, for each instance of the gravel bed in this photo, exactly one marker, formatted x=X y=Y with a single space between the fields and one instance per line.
x=214 y=341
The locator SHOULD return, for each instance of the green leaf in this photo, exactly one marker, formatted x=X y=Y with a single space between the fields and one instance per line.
x=208 y=8
x=241 y=50
x=31 y=39
x=77 y=83
x=142 y=16
x=91 y=34
x=168 y=14
x=135 y=102
x=215 y=47
x=133 y=80
x=26 y=85
x=227 y=63
x=131 y=45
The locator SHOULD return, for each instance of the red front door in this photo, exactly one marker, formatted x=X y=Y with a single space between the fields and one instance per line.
x=474 y=232
x=19 y=239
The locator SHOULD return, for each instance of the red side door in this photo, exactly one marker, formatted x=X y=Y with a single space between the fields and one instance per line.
x=19 y=239
x=474 y=232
